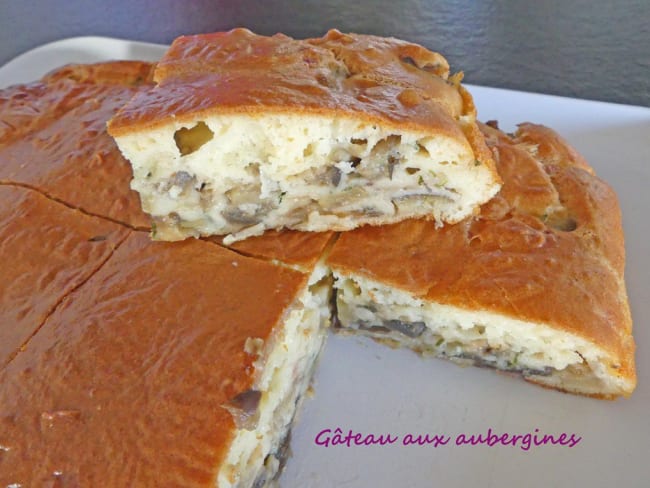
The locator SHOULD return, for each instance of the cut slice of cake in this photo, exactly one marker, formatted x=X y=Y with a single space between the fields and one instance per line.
x=245 y=133
x=533 y=284
x=125 y=362
x=81 y=166
x=175 y=364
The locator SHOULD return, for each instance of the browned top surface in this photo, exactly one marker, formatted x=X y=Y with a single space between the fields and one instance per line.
x=384 y=80
x=53 y=137
x=123 y=384
x=46 y=250
x=514 y=258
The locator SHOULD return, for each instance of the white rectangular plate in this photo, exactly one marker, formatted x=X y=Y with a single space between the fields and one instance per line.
x=370 y=389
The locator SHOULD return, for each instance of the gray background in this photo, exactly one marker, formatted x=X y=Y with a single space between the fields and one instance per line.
x=597 y=50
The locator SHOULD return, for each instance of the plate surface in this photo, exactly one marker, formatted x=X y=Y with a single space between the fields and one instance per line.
x=369 y=389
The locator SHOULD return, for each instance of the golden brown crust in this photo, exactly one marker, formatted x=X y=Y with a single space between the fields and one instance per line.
x=122 y=73
x=239 y=71
x=476 y=139
x=47 y=251
x=549 y=147
x=131 y=367
x=547 y=249
x=81 y=166
x=53 y=138
x=369 y=78
x=123 y=384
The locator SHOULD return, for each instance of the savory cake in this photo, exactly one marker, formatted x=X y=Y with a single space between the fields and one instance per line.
x=533 y=284
x=244 y=133
x=155 y=373
x=125 y=362
x=53 y=139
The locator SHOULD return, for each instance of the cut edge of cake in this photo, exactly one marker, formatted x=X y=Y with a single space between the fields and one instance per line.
x=330 y=140
x=536 y=285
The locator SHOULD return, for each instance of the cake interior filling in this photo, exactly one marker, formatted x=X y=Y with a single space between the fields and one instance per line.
x=303 y=172
x=265 y=413
x=467 y=337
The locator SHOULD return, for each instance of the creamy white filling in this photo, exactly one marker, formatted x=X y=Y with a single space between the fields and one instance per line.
x=284 y=375
x=227 y=174
x=484 y=338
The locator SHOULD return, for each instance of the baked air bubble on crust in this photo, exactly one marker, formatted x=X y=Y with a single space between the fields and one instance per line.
x=302 y=172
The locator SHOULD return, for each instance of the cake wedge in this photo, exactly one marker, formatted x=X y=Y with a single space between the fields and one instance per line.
x=244 y=133
x=174 y=364
x=532 y=285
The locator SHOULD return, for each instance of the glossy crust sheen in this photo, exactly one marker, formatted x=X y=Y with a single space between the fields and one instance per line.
x=123 y=384
x=46 y=250
x=112 y=365
x=53 y=137
x=374 y=79
x=548 y=249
